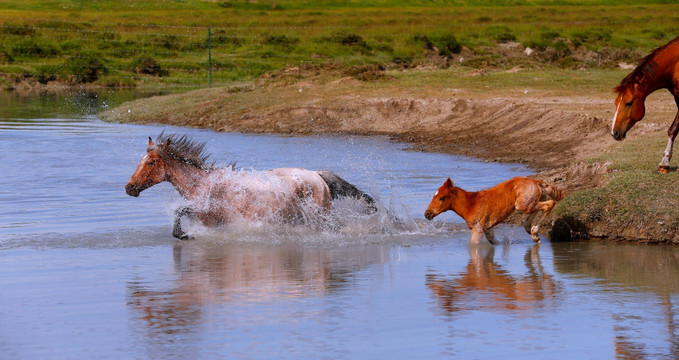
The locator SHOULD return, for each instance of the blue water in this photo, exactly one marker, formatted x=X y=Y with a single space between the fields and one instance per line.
x=89 y=272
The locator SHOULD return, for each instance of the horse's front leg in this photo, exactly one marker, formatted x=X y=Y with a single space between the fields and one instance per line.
x=177 y=228
x=664 y=166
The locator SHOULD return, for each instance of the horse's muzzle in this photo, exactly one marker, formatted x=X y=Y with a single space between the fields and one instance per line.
x=132 y=190
x=429 y=214
x=618 y=135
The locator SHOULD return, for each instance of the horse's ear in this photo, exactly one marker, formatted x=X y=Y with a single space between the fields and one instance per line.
x=167 y=142
x=448 y=183
x=150 y=141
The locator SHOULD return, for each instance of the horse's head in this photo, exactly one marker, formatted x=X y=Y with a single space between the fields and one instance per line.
x=629 y=108
x=442 y=200
x=151 y=170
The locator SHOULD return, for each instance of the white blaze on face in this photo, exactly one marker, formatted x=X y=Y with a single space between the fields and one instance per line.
x=615 y=116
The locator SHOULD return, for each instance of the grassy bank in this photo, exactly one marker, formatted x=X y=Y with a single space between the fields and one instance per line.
x=636 y=204
x=161 y=44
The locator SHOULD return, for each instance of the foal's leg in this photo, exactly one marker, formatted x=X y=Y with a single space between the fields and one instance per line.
x=664 y=166
x=528 y=222
x=490 y=235
x=545 y=207
x=177 y=228
x=477 y=235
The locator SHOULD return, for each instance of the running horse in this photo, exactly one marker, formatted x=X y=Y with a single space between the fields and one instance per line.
x=484 y=209
x=658 y=70
x=218 y=196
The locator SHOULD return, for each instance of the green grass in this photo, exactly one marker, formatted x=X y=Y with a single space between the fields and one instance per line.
x=636 y=199
x=41 y=38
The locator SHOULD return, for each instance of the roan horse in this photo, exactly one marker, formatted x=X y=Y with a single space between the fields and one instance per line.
x=486 y=208
x=218 y=196
x=658 y=70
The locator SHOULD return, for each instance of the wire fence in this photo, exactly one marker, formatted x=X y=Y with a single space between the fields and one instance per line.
x=195 y=55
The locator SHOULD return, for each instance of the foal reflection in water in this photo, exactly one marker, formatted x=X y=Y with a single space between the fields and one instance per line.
x=470 y=290
x=486 y=208
x=218 y=196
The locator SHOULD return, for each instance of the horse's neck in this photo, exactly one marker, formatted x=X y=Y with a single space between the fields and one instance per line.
x=665 y=65
x=187 y=179
x=463 y=204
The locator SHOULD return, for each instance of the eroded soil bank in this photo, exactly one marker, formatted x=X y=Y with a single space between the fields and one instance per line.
x=556 y=135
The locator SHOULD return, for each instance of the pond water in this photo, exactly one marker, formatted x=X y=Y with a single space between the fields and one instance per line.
x=89 y=272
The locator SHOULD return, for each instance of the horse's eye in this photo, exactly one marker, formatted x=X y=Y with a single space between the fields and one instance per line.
x=151 y=163
x=629 y=103
x=443 y=198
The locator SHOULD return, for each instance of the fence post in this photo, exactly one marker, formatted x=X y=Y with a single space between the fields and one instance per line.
x=209 y=51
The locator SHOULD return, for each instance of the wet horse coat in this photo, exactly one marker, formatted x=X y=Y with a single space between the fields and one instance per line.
x=486 y=208
x=220 y=196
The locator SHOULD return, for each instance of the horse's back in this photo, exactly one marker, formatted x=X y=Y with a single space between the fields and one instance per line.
x=305 y=183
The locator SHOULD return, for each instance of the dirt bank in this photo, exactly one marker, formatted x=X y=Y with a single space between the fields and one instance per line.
x=553 y=134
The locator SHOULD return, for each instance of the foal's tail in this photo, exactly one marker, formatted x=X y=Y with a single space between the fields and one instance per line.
x=341 y=188
x=552 y=191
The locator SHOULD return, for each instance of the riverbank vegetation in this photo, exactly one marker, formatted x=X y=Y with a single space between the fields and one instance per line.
x=130 y=43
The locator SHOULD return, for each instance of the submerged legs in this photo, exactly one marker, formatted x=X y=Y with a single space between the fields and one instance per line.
x=177 y=228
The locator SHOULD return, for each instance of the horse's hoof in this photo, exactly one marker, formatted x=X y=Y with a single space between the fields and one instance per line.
x=663 y=169
x=183 y=236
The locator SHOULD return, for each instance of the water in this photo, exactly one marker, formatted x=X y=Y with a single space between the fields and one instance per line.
x=89 y=272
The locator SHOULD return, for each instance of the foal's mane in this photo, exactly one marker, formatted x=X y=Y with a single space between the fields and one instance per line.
x=184 y=149
x=646 y=68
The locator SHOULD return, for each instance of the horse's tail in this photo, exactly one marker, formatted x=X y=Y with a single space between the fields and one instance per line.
x=341 y=188
x=552 y=191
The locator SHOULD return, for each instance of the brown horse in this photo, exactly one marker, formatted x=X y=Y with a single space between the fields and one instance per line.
x=486 y=208
x=658 y=70
x=218 y=196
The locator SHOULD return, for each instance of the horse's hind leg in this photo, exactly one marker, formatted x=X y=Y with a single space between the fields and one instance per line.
x=177 y=228
x=528 y=222
x=545 y=208
x=490 y=235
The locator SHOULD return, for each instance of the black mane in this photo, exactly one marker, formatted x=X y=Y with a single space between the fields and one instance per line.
x=645 y=69
x=184 y=149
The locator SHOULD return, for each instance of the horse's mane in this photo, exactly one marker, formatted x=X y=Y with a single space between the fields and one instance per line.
x=184 y=149
x=646 y=68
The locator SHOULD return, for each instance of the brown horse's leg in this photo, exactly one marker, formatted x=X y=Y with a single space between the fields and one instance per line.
x=528 y=222
x=477 y=235
x=490 y=235
x=664 y=166
x=545 y=207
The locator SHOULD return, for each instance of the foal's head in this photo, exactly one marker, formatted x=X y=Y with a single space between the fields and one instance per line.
x=442 y=200
x=161 y=159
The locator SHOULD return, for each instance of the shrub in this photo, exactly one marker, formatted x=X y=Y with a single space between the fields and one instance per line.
x=449 y=45
x=47 y=73
x=30 y=47
x=280 y=40
x=500 y=33
x=148 y=65
x=5 y=58
x=424 y=40
x=86 y=67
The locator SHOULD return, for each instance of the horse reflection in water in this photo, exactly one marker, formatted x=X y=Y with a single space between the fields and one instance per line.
x=486 y=285
x=219 y=274
x=222 y=196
